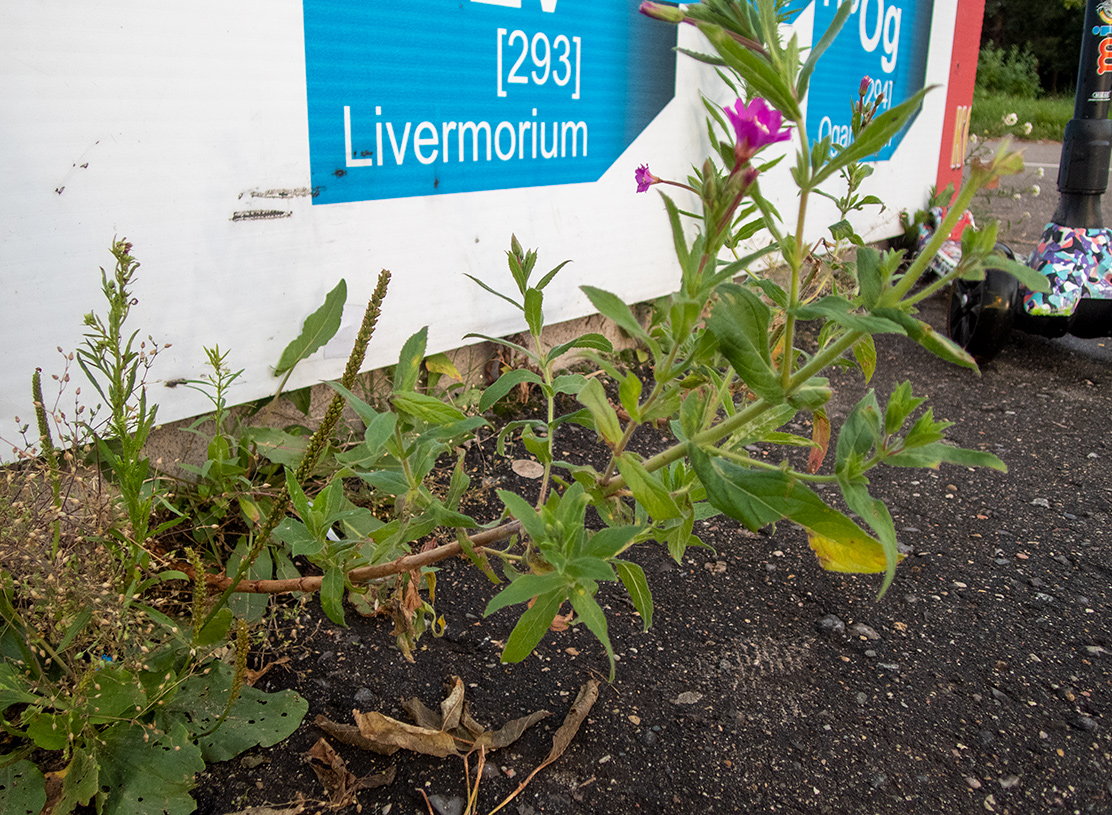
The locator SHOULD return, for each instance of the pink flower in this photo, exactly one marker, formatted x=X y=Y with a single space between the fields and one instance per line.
x=757 y=125
x=863 y=88
x=644 y=178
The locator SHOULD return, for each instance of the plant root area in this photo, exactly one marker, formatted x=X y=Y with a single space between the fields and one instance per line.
x=982 y=682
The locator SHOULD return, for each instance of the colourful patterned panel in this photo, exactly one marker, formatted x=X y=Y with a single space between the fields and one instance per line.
x=1077 y=262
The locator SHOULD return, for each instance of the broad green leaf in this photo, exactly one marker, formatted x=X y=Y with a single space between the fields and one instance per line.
x=504 y=384
x=533 y=625
x=22 y=789
x=937 y=453
x=426 y=408
x=647 y=488
x=759 y=497
x=319 y=328
x=80 y=782
x=591 y=615
x=740 y=323
x=217 y=629
x=409 y=361
x=147 y=773
x=589 y=568
x=614 y=308
x=859 y=433
x=255 y=719
x=593 y=397
x=115 y=695
x=633 y=578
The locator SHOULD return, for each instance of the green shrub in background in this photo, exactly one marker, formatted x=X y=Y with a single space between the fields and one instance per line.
x=1012 y=71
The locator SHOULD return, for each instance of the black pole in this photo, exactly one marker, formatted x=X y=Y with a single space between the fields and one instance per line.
x=1087 y=143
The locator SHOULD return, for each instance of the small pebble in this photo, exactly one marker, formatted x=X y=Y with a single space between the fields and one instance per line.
x=1086 y=723
x=1040 y=502
x=864 y=631
x=862 y=698
x=364 y=697
x=447 y=806
x=830 y=624
x=1009 y=782
x=688 y=697
x=972 y=782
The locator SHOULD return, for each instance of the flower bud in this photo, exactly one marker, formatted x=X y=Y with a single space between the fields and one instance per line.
x=659 y=11
x=863 y=88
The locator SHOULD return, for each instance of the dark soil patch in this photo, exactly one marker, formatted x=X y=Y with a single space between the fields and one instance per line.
x=981 y=682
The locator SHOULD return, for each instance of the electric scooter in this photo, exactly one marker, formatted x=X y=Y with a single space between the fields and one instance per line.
x=1075 y=251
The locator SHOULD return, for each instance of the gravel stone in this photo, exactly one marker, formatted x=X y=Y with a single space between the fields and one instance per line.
x=364 y=697
x=830 y=624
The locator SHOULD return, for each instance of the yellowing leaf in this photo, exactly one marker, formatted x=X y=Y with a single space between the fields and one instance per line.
x=440 y=364
x=862 y=555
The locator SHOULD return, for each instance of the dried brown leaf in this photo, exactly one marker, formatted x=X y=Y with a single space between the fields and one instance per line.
x=510 y=732
x=452 y=707
x=387 y=732
x=421 y=714
x=349 y=734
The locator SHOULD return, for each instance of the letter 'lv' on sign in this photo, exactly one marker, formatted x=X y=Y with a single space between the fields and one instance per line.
x=546 y=5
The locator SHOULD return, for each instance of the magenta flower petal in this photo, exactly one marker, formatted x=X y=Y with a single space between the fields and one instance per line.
x=644 y=178
x=756 y=126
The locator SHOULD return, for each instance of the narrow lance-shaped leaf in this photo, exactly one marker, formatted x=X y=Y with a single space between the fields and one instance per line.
x=319 y=328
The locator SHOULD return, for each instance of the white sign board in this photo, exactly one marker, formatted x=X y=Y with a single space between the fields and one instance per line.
x=203 y=132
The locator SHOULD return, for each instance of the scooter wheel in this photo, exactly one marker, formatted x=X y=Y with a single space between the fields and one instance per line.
x=982 y=313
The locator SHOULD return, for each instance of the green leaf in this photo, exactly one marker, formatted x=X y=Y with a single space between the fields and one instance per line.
x=332 y=594
x=22 y=789
x=409 y=361
x=873 y=137
x=759 y=75
x=147 y=773
x=879 y=519
x=524 y=589
x=523 y=511
x=426 y=408
x=278 y=446
x=319 y=328
x=740 y=323
x=593 y=341
x=533 y=625
x=679 y=239
x=442 y=365
x=217 y=629
x=629 y=394
x=633 y=578
x=250 y=607
x=504 y=384
x=930 y=339
x=844 y=313
x=1028 y=277
x=591 y=615
x=534 y=315
x=760 y=497
x=647 y=489
x=613 y=307
x=80 y=782
x=901 y=404
x=859 y=433
x=870 y=277
x=610 y=542
x=937 y=453
x=593 y=397
x=820 y=47
x=256 y=718
x=494 y=291
x=864 y=351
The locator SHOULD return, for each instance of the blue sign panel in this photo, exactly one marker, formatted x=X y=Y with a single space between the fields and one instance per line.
x=886 y=40
x=462 y=95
